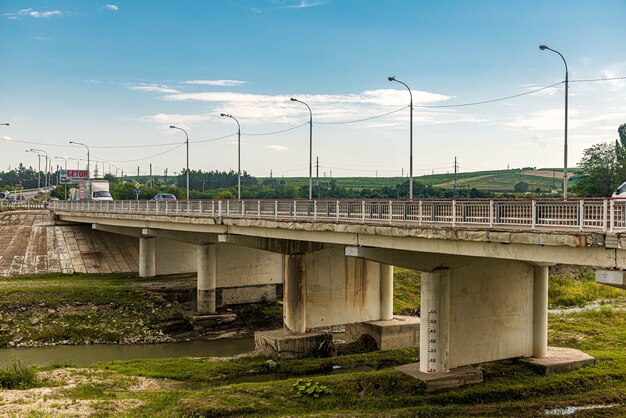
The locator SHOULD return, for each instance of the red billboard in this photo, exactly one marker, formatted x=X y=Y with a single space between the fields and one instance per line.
x=72 y=176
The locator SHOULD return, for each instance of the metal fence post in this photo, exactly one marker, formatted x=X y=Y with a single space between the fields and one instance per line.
x=258 y=209
x=581 y=215
x=275 y=209
x=420 y=213
x=363 y=211
x=295 y=210
x=390 y=211
x=533 y=215
x=337 y=211
x=453 y=213
x=315 y=210
x=491 y=214
x=612 y=216
x=605 y=212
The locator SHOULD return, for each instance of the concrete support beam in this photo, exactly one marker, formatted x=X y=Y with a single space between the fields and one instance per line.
x=540 y=312
x=294 y=314
x=386 y=292
x=274 y=245
x=197 y=238
x=435 y=321
x=119 y=230
x=147 y=257
x=615 y=278
x=413 y=260
x=207 y=279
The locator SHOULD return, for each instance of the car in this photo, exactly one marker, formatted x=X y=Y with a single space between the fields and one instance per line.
x=164 y=197
x=50 y=199
x=4 y=194
x=11 y=197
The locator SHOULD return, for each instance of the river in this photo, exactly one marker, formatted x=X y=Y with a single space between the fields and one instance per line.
x=83 y=355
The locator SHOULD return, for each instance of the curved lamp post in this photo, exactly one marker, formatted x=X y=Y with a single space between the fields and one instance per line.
x=310 y=147
x=5 y=124
x=393 y=78
x=84 y=145
x=543 y=48
x=238 y=154
x=187 y=142
x=38 y=168
x=47 y=171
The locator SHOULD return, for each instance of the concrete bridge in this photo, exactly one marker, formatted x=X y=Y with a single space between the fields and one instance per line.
x=484 y=263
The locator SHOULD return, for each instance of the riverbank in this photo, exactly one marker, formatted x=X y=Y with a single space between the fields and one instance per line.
x=252 y=385
x=113 y=309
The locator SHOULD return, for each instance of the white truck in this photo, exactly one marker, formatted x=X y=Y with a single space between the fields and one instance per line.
x=94 y=189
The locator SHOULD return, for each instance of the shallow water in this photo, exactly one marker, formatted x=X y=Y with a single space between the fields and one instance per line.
x=83 y=355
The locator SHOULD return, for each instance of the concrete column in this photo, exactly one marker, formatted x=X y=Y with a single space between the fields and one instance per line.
x=540 y=312
x=294 y=308
x=386 y=292
x=435 y=321
x=207 y=279
x=147 y=256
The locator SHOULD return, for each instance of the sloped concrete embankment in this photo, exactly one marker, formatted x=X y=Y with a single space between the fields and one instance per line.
x=30 y=244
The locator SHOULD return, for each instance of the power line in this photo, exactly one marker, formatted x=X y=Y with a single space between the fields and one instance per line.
x=597 y=79
x=276 y=132
x=138 y=159
x=361 y=120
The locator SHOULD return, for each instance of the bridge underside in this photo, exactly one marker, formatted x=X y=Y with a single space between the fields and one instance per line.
x=483 y=295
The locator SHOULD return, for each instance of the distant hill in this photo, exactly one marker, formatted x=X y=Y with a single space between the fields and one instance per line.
x=498 y=181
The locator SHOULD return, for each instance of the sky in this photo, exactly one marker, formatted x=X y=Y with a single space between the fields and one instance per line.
x=116 y=75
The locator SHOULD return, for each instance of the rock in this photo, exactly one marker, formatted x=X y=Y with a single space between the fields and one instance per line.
x=51 y=311
x=34 y=321
x=271 y=364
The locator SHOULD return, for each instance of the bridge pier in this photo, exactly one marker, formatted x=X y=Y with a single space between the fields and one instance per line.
x=386 y=292
x=207 y=279
x=435 y=321
x=540 y=312
x=147 y=257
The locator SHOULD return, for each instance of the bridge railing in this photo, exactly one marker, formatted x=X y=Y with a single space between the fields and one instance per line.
x=584 y=214
x=22 y=204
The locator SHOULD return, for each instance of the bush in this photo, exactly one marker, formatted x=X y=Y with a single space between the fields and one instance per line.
x=18 y=376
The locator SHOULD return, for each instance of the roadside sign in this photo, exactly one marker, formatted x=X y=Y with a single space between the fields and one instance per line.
x=137 y=191
x=73 y=176
x=137 y=185
x=82 y=194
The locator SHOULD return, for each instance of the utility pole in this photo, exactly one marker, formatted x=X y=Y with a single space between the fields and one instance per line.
x=137 y=173
x=455 y=171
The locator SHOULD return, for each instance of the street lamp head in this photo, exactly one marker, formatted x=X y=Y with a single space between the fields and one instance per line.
x=224 y=114
x=5 y=124
x=294 y=100
x=542 y=47
x=172 y=127
x=391 y=78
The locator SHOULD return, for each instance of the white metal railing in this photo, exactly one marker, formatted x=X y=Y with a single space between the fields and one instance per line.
x=22 y=204
x=583 y=214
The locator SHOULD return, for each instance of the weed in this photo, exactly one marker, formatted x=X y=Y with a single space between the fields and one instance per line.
x=311 y=389
x=18 y=376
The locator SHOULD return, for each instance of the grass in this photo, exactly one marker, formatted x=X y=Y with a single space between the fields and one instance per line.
x=579 y=290
x=406 y=292
x=18 y=376
x=78 y=308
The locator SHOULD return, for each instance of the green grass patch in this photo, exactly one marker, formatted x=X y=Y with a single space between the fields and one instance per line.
x=598 y=329
x=18 y=376
x=406 y=291
x=579 y=290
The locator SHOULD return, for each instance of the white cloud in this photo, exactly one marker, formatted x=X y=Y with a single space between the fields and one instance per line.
x=221 y=83
x=277 y=147
x=111 y=7
x=304 y=4
x=36 y=14
x=7 y=138
x=153 y=88
x=166 y=120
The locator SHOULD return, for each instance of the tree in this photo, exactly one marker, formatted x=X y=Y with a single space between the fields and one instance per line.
x=521 y=187
x=601 y=170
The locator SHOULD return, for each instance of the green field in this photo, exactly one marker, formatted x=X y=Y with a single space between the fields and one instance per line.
x=498 y=181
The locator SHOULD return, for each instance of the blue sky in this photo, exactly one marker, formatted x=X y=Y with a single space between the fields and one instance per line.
x=115 y=75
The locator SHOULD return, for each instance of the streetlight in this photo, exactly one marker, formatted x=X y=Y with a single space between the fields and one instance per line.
x=77 y=162
x=238 y=154
x=310 y=147
x=84 y=145
x=5 y=124
x=38 y=168
x=187 y=142
x=544 y=47
x=64 y=159
x=393 y=78
x=47 y=172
